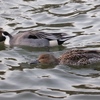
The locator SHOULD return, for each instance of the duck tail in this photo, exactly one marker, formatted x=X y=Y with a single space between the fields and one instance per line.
x=63 y=39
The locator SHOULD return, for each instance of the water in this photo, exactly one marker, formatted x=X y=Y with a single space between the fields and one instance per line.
x=21 y=81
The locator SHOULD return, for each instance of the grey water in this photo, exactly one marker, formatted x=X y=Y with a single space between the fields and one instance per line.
x=21 y=81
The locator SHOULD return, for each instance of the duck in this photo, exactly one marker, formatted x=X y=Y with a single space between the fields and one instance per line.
x=46 y=59
x=34 y=38
x=70 y=58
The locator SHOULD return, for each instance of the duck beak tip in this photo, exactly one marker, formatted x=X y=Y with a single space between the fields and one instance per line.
x=34 y=62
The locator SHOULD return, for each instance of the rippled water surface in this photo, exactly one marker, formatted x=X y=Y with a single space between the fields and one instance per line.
x=21 y=81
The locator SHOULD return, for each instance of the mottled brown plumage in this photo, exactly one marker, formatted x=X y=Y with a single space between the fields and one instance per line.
x=73 y=57
x=80 y=57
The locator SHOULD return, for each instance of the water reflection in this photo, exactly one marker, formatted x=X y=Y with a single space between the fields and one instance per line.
x=20 y=80
x=2 y=46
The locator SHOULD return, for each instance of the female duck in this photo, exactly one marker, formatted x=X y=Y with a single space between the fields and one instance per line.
x=34 y=38
x=73 y=58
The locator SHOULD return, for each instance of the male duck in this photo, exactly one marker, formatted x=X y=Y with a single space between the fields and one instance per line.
x=73 y=58
x=34 y=38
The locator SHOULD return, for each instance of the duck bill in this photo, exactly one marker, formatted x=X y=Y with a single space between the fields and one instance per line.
x=35 y=62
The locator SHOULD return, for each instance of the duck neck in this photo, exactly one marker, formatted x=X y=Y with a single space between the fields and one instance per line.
x=8 y=38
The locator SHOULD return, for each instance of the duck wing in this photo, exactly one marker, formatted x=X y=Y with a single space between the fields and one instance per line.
x=49 y=36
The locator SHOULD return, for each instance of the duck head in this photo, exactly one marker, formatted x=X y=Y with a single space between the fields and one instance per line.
x=46 y=59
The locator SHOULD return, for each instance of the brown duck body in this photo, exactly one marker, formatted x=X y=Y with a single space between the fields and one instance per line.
x=80 y=57
x=73 y=57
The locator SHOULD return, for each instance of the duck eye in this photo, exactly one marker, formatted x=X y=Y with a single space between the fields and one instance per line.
x=43 y=57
